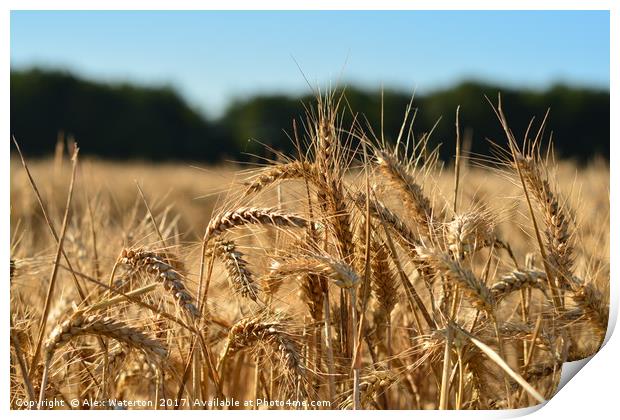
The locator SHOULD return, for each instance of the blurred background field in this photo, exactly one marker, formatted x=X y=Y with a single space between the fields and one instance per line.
x=186 y=196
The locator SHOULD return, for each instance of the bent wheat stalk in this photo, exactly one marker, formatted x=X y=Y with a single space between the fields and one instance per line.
x=491 y=354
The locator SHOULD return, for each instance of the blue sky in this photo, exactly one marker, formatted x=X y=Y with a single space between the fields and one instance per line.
x=213 y=57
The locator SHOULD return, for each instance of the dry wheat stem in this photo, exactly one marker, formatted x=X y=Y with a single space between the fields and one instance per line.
x=54 y=273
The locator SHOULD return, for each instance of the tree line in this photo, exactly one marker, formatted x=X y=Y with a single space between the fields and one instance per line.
x=122 y=121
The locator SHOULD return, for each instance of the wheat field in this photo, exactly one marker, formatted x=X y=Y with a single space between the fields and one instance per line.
x=355 y=274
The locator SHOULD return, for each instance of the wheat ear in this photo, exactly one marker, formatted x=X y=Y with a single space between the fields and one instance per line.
x=252 y=216
x=404 y=235
x=79 y=324
x=341 y=273
x=591 y=301
x=371 y=386
x=281 y=172
x=468 y=232
x=249 y=332
x=477 y=292
x=518 y=280
x=412 y=194
x=558 y=238
x=241 y=277
x=384 y=284
x=161 y=266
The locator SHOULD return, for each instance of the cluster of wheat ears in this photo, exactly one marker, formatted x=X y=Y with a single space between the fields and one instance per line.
x=361 y=291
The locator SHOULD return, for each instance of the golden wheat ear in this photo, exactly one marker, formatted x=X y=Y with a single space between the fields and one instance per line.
x=163 y=269
x=475 y=290
x=282 y=172
x=252 y=216
x=416 y=202
x=372 y=386
x=79 y=324
x=557 y=251
x=273 y=333
x=468 y=232
x=519 y=280
x=594 y=307
x=240 y=276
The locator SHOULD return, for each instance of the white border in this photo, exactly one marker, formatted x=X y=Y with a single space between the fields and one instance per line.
x=593 y=393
